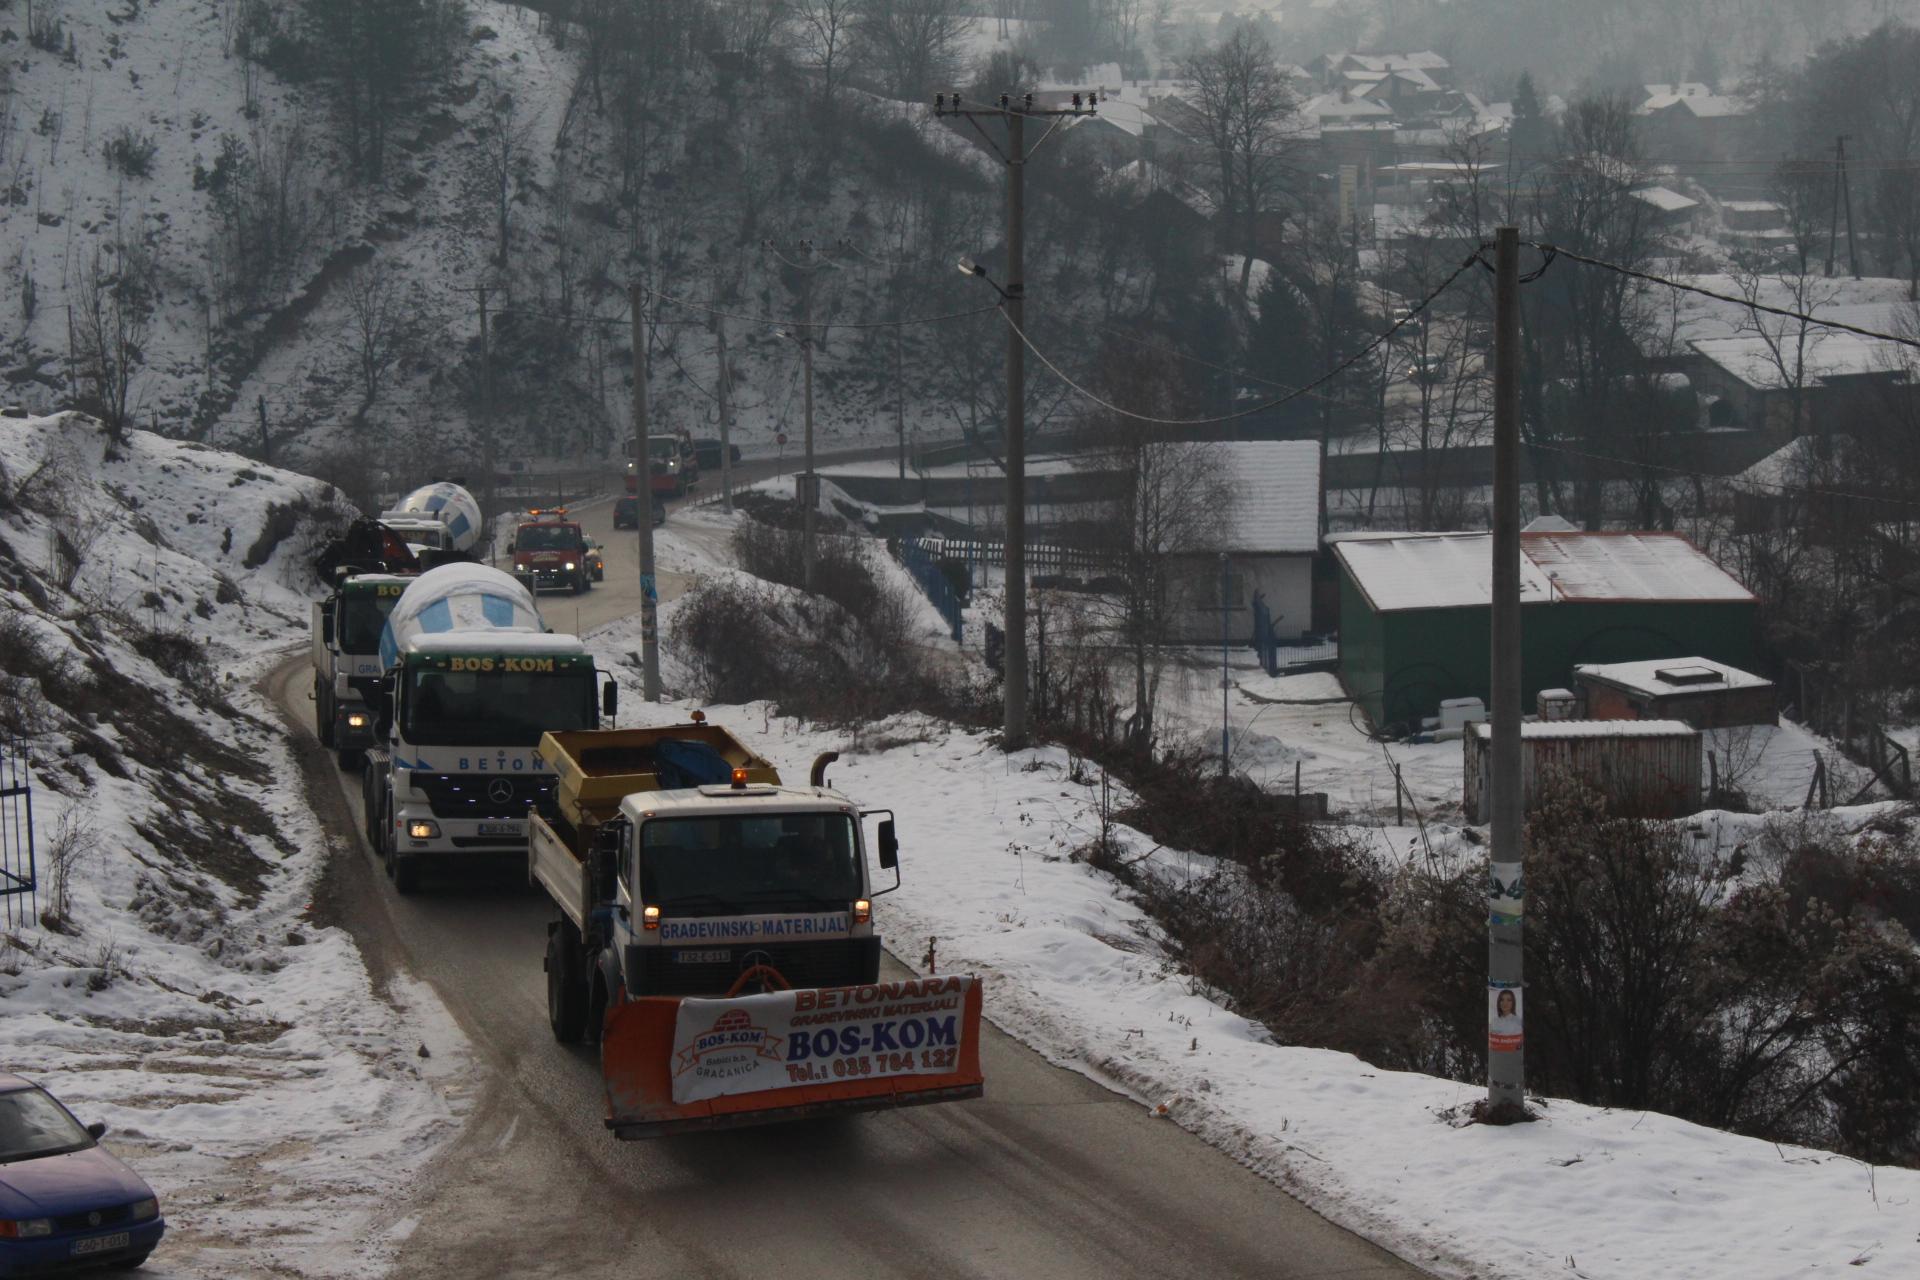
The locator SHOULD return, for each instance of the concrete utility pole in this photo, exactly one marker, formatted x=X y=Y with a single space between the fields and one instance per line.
x=1846 y=195
x=900 y=389
x=1013 y=304
x=266 y=442
x=726 y=417
x=1506 y=1053
x=643 y=473
x=809 y=483
x=486 y=391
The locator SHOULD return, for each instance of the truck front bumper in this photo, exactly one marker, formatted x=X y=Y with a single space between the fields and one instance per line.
x=456 y=837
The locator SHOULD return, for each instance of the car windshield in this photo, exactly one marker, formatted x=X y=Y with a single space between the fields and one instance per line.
x=709 y=866
x=32 y=1124
x=497 y=707
x=362 y=618
x=663 y=447
x=548 y=537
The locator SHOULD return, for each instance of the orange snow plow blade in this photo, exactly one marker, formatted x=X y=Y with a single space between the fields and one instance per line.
x=673 y=1064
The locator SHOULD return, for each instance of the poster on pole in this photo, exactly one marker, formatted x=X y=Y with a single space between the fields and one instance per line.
x=1506 y=893
x=1505 y=1031
x=786 y=1039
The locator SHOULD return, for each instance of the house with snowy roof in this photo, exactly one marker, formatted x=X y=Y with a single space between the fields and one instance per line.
x=1691 y=122
x=1416 y=612
x=1269 y=535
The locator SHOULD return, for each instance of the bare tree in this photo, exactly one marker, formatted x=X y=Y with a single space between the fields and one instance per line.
x=1169 y=503
x=504 y=162
x=823 y=35
x=916 y=44
x=1247 y=110
x=375 y=319
x=111 y=310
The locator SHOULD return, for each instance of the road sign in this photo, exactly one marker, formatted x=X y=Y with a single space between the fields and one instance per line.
x=781 y=438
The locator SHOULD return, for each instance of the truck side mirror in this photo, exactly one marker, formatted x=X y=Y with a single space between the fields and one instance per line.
x=326 y=627
x=509 y=546
x=889 y=846
x=609 y=699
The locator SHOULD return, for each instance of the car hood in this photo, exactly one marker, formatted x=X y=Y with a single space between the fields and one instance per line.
x=53 y=1185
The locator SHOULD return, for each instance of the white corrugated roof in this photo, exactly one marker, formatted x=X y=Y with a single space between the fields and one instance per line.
x=1445 y=571
x=1431 y=571
x=1276 y=495
x=1665 y=199
x=1630 y=566
x=1596 y=729
x=1644 y=677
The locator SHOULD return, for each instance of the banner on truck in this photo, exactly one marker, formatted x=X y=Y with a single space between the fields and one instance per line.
x=786 y=1039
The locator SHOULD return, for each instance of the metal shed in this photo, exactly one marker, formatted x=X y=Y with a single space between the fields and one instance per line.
x=1415 y=612
x=1645 y=768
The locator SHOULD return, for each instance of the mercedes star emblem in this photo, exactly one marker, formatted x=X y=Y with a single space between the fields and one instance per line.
x=500 y=790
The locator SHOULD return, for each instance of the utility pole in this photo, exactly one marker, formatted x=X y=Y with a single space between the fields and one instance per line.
x=486 y=390
x=1225 y=682
x=809 y=492
x=643 y=471
x=726 y=417
x=1013 y=304
x=900 y=388
x=1846 y=193
x=1506 y=1054
x=266 y=443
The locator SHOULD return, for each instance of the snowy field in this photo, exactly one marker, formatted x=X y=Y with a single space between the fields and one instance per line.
x=1075 y=969
x=189 y=999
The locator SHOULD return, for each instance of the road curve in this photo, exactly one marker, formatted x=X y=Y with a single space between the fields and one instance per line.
x=1049 y=1175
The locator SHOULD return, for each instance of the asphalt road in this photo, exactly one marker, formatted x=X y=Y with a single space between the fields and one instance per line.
x=1049 y=1175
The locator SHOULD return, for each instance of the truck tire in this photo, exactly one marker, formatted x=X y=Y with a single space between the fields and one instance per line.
x=406 y=872
x=350 y=758
x=322 y=713
x=566 y=990
x=580 y=583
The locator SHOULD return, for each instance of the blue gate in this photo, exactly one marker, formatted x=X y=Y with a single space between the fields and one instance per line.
x=933 y=581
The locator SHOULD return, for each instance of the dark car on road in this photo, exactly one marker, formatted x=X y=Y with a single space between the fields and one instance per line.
x=626 y=513
x=707 y=450
x=66 y=1203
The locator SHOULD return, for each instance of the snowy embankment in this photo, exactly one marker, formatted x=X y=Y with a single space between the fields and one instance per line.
x=1078 y=971
x=167 y=977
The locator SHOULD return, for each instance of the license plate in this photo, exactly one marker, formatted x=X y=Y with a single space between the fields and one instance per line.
x=702 y=957
x=103 y=1244
x=499 y=828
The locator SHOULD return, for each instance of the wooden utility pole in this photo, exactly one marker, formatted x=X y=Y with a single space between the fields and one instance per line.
x=643 y=473
x=1846 y=195
x=266 y=443
x=486 y=390
x=1013 y=304
x=726 y=416
x=1506 y=1054
x=900 y=389
x=809 y=484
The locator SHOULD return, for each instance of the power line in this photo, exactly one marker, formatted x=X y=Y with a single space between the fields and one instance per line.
x=784 y=322
x=1751 y=305
x=1269 y=405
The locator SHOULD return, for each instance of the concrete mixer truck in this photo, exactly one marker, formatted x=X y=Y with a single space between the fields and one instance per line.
x=470 y=680
x=440 y=521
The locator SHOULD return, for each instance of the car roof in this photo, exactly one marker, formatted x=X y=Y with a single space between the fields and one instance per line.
x=10 y=1083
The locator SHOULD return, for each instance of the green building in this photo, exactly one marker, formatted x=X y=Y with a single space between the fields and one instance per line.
x=1416 y=611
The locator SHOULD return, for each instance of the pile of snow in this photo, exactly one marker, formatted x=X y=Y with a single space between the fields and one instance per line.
x=168 y=977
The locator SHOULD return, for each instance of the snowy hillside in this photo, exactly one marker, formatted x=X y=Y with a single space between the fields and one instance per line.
x=167 y=977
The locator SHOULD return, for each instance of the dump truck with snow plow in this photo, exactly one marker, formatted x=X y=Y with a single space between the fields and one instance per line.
x=716 y=937
x=470 y=680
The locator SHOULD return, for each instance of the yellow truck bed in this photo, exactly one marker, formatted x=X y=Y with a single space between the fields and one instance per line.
x=597 y=768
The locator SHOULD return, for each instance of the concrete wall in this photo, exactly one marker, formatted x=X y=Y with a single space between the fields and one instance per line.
x=1286 y=581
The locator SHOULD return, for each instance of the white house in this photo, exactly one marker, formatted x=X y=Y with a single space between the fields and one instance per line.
x=1269 y=536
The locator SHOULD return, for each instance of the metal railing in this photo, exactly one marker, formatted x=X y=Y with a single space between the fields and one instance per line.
x=19 y=876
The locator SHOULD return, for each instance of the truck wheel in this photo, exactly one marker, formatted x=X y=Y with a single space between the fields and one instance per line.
x=323 y=713
x=566 y=992
x=580 y=583
x=406 y=873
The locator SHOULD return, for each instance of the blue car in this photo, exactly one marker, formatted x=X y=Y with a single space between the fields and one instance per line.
x=65 y=1203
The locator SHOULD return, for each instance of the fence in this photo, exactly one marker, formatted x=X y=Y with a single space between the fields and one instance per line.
x=1825 y=705
x=925 y=568
x=1041 y=559
x=19 y=881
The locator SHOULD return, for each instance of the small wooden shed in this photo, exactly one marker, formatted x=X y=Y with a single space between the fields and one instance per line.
x=1704 y=693
x=1645 y=768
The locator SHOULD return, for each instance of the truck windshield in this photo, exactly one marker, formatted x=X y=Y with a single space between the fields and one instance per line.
x=496 y=708
x=362 y=617
x=548 y=537
x=664 y=448
x=723 y=865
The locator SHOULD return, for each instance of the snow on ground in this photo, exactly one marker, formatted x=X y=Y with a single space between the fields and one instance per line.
x=233 y=1044
x=1074 y=968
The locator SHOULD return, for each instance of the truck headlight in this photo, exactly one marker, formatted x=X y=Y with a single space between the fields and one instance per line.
x=25 y=1228
x=862 y=911
x=356 y=720
x=422 y=830
x=569 y=566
